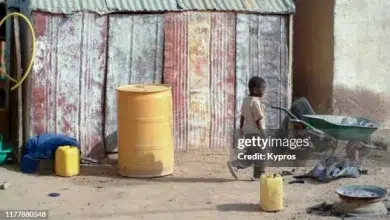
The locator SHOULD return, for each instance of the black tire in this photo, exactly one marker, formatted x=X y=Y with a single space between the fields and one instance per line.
x=301 y=107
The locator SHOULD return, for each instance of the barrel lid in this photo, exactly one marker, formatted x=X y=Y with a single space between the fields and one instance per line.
x=144 y=88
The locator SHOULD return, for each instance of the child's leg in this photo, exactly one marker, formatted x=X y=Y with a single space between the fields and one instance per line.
x=260 y=165
x=258 y=171
x=238 y=164
x=259 y=168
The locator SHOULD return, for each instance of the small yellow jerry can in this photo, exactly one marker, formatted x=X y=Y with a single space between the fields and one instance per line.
x=67 y=161
x=271 y=193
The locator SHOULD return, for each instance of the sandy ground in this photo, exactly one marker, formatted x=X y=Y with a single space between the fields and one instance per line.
x=201 y=188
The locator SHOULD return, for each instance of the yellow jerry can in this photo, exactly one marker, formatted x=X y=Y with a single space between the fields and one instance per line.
x=67 y=161
x=271 y=193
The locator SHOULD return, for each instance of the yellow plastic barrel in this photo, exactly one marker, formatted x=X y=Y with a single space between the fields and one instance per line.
x=271 y=193
x=145 y=130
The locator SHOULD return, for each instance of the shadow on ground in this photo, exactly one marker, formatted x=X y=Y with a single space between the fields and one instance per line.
x=112 y=172
x=109 y=173
x=174 y=179
x=325 y=210
x=238 y=207
x=235 y=207
x=12 y=168
x=152 y=212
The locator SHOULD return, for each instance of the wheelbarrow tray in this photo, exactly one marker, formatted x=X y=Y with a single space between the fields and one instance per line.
x=343 y=127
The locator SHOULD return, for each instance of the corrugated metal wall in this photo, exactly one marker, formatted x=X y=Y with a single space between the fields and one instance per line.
x=83 y=58
x=67 y=80
x=199 y=64
x=258 y=6
x=135 y=55
x=262 y=50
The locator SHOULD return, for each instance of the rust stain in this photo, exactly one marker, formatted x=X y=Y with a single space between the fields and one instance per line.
x=39 y=113
x=199 y=63
x=222 y=92
x=135 y=55
x=261 y=52
x=175 y=73
x=67 y=78
x=40 y=24
x=199 y=32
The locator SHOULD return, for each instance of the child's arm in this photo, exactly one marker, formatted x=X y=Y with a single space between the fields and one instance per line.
x=242 y=120
x=258 y=123
x=258 y=115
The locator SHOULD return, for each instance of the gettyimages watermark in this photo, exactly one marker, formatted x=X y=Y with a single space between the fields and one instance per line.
x=272 y=142
x=291 y=148
x=264 y=148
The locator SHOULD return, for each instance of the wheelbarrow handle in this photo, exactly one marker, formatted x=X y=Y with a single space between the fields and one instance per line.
x=319 y=132
x=286 y=111
x=295 y=119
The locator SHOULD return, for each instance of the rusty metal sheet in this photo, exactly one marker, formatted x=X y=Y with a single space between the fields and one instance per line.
x=176 y=73
x=259 y=6
x=111 y=6
x=64 y=7
x=67 y=80
x=97 y=6
x=142 y=5
x=135 y=56
x=199 y=32
x=222 y=91
x=199 y=64
x=262 y=51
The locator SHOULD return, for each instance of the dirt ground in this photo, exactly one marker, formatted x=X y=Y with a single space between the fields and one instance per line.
x=201 y=188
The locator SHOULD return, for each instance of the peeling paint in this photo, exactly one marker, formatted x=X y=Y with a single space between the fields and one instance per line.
x=67 y=79
x=175 y=72
x=195 y=52
x=115 y=6
x=135 y=55
x=223 y=48
x=199 y=64
x=257 y=6
x=199 y=26
x=262 y=51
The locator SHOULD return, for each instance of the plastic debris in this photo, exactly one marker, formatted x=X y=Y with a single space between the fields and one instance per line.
x=5 y=185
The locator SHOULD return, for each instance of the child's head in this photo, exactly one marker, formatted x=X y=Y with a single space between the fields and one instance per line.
x=256 y=86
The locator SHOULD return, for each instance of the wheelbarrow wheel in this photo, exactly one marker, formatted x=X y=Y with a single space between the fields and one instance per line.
x=301 y=107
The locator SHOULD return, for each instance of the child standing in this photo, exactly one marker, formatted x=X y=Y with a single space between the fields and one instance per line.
x=252 y=123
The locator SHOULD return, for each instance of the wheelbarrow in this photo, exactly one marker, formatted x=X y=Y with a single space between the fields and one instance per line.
x=325 y=131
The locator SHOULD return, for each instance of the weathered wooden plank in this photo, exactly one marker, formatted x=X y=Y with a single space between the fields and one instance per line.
x=175 y=73
x=199 y=30
x=135 y=56
x=259 y=54
x=68 y=78
x=222 y=79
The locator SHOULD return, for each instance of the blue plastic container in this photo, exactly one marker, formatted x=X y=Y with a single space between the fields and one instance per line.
x=29 y=164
